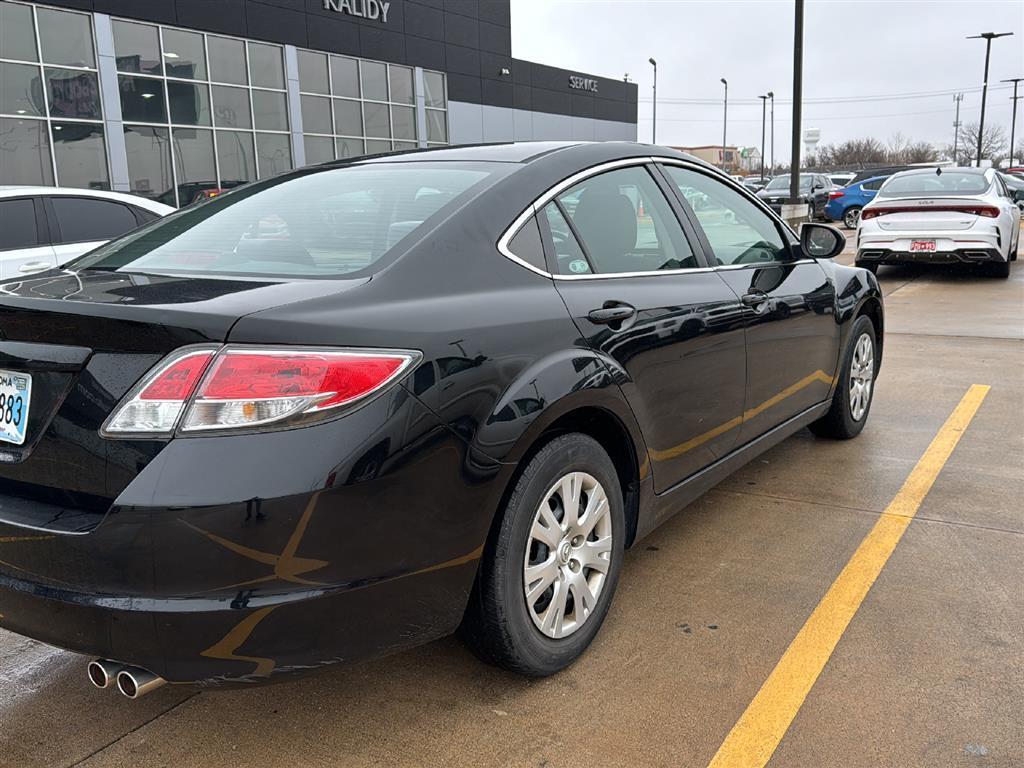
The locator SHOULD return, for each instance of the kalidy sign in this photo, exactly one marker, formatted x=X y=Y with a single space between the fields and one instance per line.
x=364 y=9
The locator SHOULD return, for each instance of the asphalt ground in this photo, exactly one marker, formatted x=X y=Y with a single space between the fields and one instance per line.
x=851 y=603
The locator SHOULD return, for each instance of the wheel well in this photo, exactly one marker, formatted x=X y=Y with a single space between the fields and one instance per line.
x=872 y=309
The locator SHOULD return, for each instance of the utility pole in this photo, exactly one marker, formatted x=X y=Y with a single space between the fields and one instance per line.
x=654 y=111
x=725 y=117
x=988 y=37
x=1013 y=120
x=764 y=101
x=771 y=95
x=798 y=94
x=957 y=98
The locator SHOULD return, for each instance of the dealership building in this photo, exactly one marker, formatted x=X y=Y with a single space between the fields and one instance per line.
x=171 y=98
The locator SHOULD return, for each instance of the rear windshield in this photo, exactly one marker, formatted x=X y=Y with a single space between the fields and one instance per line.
x=324 y=223
x=951 y=183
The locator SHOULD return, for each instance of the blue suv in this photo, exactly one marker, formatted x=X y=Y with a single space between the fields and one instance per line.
x=844 y=204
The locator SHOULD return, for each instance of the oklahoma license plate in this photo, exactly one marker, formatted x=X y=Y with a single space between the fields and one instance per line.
x=15 y=393
x=922 y=245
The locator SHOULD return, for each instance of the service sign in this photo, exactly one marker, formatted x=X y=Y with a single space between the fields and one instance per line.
x=578 y=83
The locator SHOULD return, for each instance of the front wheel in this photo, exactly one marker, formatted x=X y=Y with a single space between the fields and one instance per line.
x=851 y=402
x=551 y=566
x=851 y=217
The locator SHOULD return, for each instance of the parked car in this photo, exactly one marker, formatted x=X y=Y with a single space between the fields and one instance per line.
x=814 y=190
x=1015 y=186
x=841 y=179
x=293 y=445
x=944 y=215
x=756 y=183
x=845 y=203
x=870 y=173
x=46 y=227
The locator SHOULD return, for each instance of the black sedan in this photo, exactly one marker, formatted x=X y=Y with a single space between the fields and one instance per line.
x=359 y=406
x=814 y=189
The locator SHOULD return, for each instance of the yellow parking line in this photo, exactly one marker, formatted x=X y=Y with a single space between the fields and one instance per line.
x=754 y=738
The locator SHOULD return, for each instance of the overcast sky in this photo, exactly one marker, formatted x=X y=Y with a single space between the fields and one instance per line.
x=851 y=50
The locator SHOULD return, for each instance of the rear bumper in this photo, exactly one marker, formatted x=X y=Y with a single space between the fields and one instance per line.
x=967 y=255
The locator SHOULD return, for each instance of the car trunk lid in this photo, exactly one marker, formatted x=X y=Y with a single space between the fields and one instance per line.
x=935 y=214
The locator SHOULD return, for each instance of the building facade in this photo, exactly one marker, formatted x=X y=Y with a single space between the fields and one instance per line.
x=171 y=98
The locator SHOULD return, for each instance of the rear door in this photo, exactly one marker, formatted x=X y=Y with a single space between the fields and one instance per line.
x=640 y=292
x=792 y=336
x=79 y=224
x=23 y=243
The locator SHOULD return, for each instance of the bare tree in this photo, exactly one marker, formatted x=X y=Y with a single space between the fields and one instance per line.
x=919 y=152
x=993 y=142
x=897 y=147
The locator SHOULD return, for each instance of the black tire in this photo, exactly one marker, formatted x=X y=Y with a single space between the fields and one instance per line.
x=838 y=423
x=870 y=266
x=851 y=213
x=999 y=269
x=497 y=625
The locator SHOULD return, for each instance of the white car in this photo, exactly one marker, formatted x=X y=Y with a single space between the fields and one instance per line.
x=46 y=227
x=940 y=215
x=841 y=179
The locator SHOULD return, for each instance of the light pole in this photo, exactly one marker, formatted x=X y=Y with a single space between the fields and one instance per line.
x=771 y=95
x=1013 y=120
x=956 y=127
x=654 y=109
x=725 y=116
x=764 y=102
x=988 y=37
x=798 y=94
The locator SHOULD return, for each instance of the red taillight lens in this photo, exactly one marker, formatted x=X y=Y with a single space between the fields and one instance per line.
x=988 y=211
x=177 y=380
x=836 y=193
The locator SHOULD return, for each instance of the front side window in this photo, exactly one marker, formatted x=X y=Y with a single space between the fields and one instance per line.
x=17 y=224
x=739 y=231
x=624 y=223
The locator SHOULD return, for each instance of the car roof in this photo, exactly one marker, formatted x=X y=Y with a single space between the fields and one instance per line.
x=521 y=152
x=141 y=202
x=933 y=169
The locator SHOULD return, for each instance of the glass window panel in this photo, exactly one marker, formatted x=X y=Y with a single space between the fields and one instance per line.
x=82 y=219
x=269 y=111
x=401 y=84
x=190 y=103
x=227 y=60
x=73 y=94
x=236 y=156
x=17 y=33
x=21 y=92
x=319 y=149
x=193 y=162
x=403 y=119
x=137 y=48
x=231 y=107
x=348 y=118
x=374 y=77
x=184 y=54
x=350 y=148
x=25 y=152
x=274 y=152
x=18 y=224
x=316 y=114
x=433 y=83
x=66 y=38
x=375 y=117
x=142 y=99
x=266 y=66
x=81 y=155
x=375 y=147
x=313 y=72
x=149 y=163
x=345 y=76
x=437 y=125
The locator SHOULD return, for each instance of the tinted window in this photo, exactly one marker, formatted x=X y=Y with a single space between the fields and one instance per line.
x=17 y=224
x=932 y=183
x=625 y=223
x=526 y=245
x=66 y=38
x=227 y=60
x=137 y=48
x=81 y=155
x=81 y=219
x=25 y=156
x=326 y=223
x=569 y=256
x=738 y=230
x=876 y=184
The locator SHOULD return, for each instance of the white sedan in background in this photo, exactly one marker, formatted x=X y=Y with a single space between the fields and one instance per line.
x=46 y=227
x=941 y=215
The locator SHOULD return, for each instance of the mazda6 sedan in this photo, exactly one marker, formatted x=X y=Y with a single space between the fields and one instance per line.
x=361 y=405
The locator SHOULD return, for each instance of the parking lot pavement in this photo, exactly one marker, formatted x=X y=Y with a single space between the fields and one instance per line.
x=929 y=672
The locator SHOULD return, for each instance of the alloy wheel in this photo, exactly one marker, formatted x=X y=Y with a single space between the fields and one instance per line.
x=568 y=555
x=851 y=218
x=862 y=374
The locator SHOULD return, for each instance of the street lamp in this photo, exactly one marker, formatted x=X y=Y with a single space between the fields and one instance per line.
x=725 y=116
x=1013 y=120
x=764 y=101
x=988 y=37
x=771 y=95
x=654 y=111
x=798 y=95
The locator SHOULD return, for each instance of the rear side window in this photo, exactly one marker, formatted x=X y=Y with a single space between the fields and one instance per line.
x=326 y=222
x=876 y=184
x=81 y=219
x=17 y=224
x=526 y=245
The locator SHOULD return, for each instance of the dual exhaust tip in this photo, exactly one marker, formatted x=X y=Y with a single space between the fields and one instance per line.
x=133 y=682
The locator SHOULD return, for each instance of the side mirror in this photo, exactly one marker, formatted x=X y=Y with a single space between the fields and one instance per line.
x=820 y=241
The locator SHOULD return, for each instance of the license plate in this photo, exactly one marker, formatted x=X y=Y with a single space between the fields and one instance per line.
x=922 y=245
x=15 y=393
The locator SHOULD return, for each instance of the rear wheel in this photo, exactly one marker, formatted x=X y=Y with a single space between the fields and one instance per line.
x=551 y=567
x=851 y=216
x=851 y=402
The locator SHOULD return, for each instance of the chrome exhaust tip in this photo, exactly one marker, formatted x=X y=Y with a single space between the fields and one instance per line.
x=103 y=672
x=134 y=682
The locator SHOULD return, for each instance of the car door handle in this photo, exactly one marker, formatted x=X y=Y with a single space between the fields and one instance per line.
x=611 y=312
x=754 y=298
x=34 y=266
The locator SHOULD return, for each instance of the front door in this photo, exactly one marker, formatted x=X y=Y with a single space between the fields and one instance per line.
x=635 y=287
x=792 y=335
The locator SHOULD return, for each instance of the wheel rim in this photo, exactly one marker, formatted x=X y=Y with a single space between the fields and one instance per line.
x=850 y=218
x=862 y=375
x=568 y=555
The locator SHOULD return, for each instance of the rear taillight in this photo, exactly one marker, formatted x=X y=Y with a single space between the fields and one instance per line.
x=988 y=211
x=835 y=193
x=203 y=389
